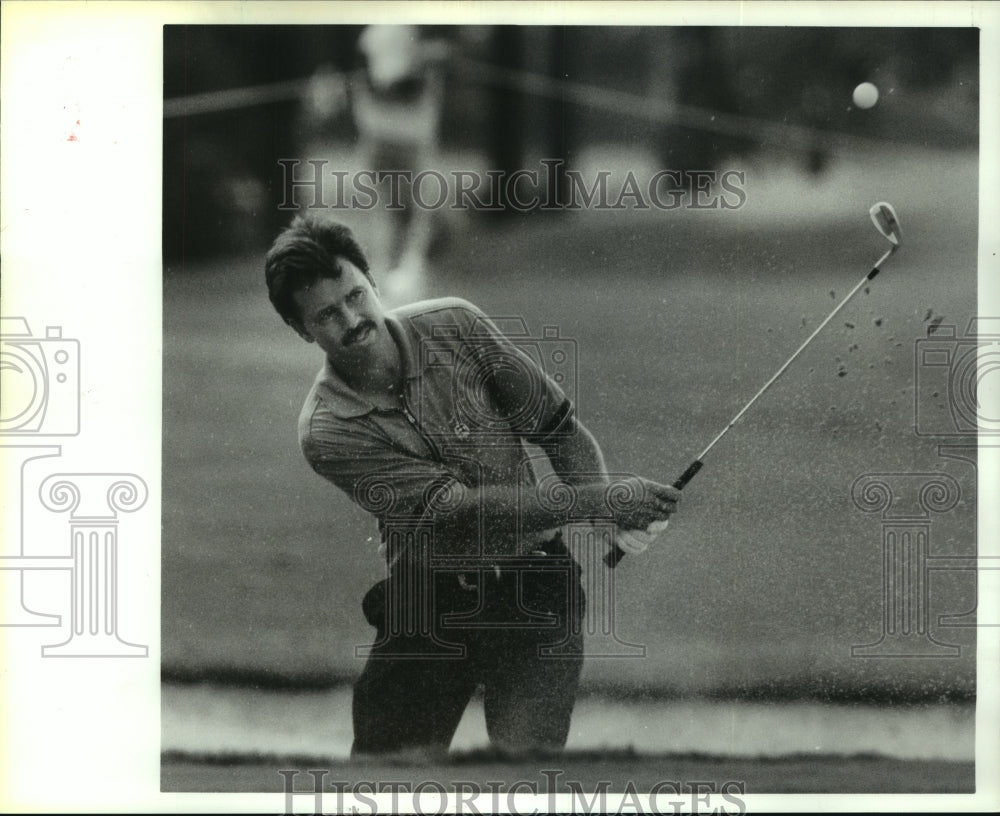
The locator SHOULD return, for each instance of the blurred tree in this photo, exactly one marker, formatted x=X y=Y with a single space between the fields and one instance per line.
x=684 y=67
x=221 y=180
x=505 y=136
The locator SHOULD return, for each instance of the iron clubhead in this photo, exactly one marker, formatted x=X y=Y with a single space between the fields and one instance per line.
x=884 y=218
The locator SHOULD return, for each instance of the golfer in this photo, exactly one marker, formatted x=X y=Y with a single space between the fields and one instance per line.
x=433 y=420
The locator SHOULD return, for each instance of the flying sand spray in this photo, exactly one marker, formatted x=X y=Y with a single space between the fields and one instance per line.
x=884 y=218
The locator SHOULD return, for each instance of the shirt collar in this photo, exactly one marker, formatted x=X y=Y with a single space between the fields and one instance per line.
x=407 y=341
x=343 y=400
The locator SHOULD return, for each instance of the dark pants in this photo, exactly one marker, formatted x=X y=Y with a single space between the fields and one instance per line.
x=443 y=632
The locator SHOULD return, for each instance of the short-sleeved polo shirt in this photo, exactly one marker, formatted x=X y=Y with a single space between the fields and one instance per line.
x=473 y=398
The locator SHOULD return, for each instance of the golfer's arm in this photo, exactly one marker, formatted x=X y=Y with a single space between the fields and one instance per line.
x=508 y=510
x=577 y=458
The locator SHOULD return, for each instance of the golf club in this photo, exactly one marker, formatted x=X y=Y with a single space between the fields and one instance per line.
x=884 y=218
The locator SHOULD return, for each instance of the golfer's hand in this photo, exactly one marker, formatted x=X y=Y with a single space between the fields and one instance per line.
x=634 y=542
x=653 y=502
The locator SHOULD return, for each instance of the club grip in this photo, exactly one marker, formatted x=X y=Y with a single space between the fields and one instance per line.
x=617 y=553
x=688 y=474
x=612 y=558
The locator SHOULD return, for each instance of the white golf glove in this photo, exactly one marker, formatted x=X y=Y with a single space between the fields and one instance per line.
x=637 y=541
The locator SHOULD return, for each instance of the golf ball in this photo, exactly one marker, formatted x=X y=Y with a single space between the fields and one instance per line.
x=865 y=95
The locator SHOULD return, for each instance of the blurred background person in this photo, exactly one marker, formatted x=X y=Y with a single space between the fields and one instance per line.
x=699 y=288
x=396 y=100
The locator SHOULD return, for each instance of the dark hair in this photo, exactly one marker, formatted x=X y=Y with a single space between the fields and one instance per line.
x=305 y=251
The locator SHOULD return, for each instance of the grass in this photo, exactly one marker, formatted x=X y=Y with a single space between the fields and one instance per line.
x=620 y=771
x=768 y=575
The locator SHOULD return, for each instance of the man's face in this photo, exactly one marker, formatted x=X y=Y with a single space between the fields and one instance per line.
x=343 y=316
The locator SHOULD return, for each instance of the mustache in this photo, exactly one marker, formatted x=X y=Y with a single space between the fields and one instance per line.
x=355 y=334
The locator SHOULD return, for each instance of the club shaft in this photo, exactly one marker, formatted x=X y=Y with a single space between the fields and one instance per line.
x=798 y=351
x=617 y=554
